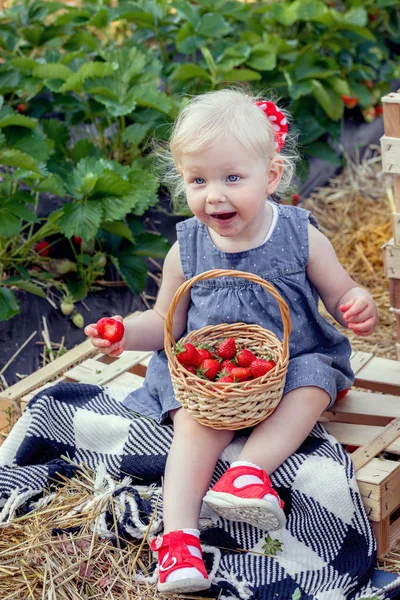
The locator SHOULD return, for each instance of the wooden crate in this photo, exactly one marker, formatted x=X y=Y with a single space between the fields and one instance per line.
x=369 y=419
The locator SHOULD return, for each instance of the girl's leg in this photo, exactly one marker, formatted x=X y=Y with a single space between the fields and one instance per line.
x=194 y=452
x=244 y=493
x=191 y=462
x=272 y=441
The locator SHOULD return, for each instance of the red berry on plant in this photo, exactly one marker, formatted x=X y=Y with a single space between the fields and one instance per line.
x=378 y=110
x=240 y=374
x=77 y=240
x=244 y=358
x=349 y=101
x=260 y=367
x=43 y=248
x=110 y=329
x=187 y=354
x=227 y=348
x=295 y=199
x=22 y=108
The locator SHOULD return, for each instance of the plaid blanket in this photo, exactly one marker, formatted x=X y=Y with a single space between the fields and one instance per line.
x=327 y=548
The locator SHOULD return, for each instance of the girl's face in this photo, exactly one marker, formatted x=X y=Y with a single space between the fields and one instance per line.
x=226 y=187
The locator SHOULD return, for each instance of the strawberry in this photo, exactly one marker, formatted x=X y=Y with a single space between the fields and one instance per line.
x=209 y=368
x=369 y=114
x=227 y=366
x=378 y=110
x=225 y=379
x=43 y=248
x=204 y=353
x=78 y=320
x=261 y=366
x=67 y=307
x=187 y=355
x=227 y=348
x=240 y=374
x=22 y=108
x=77 y=240
x=110 y=329
x=191 y=369
x=245 y=358
x=295 y=199
x=349 y=101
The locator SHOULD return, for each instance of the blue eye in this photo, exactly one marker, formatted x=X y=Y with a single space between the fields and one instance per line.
x=233 y=178
x=199 y=181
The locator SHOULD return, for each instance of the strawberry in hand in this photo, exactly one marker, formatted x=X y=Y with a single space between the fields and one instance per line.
x=110 y=329
x=361 y=314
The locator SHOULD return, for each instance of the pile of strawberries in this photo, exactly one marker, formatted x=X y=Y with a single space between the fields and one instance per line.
x=224 y=362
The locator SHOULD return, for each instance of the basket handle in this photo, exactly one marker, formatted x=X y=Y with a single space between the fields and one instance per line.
x=181 y=291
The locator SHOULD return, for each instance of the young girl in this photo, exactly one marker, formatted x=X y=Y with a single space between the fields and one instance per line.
x=228 y=157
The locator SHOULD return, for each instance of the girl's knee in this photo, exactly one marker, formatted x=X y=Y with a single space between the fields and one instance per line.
x=185 y=424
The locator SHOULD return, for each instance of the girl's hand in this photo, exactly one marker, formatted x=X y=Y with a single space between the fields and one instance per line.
x=105 y=346
x=360 y=314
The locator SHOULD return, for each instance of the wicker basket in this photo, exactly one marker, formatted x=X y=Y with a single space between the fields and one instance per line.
x=230 y=405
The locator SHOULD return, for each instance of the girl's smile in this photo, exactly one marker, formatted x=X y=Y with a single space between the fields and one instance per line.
x=226 y=187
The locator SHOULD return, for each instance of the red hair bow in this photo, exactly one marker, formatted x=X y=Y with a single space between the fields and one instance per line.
x=278 y=122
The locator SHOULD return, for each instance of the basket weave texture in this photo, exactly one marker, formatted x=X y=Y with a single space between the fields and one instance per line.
x=230 y=405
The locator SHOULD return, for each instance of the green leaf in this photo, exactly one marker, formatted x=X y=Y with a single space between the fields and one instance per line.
x=110 y=182
x=241 y=75
x=323 y=151
x=262 y=58
x=330 y=101
x=135 y=134
x=363 y=94
x=151 y=244
x=147 y=96
x=57 y=131
x=100 y=19
x=188 y=71
x=143 y=193
x=187 y=10
x=339 y=85
x=132 y=269
x=115 y=207
x=9 y=306
x=15 y=119
x=15 y=158
x=213 y=25
x=29 y=286
x=82 y=220
x=52 y=71
x=87 y=71
x=32 y=143
x=356 y=16
x=52 y=184
x=117 y=228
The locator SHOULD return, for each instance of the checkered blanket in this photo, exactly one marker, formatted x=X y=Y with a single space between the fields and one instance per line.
x=327 y=550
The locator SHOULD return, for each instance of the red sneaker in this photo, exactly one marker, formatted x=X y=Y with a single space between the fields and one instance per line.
x=175 y=544
x=247 y=503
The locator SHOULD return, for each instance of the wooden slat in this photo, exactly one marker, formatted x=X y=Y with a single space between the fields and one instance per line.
x=128 y=380
x=49 y=372
x=377 y=443
x=359 y=359
x=368 y=403
x=379 y=374
x=98 y=373
x=358 y=435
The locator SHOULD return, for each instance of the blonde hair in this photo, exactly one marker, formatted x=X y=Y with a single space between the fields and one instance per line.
x=213 y=115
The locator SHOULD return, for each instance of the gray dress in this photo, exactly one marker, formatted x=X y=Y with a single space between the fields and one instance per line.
x=319 y=353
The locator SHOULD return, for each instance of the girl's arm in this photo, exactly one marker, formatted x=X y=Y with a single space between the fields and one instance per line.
x=352 y=306
x=146 y=331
